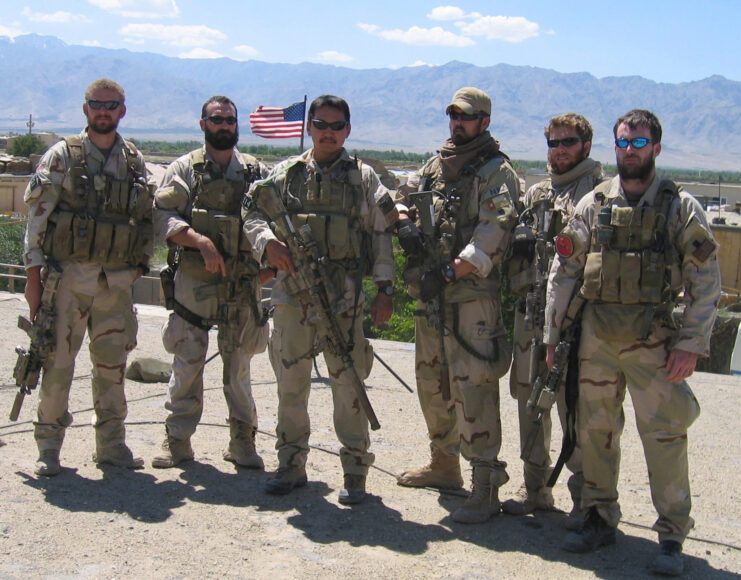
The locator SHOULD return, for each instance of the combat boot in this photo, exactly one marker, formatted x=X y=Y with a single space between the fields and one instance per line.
x=285 y=480
x=527 y=500
x=594 y=533
x=443 y=471
x=119 y=455
x=669 y=561
x=576 y=517
x=354 y=490
x=241 y=449
x=483 y=502
x=174 y=452
x=48 y=463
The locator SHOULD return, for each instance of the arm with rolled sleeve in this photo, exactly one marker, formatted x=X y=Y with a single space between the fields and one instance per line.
x=497 y=216
x=375 y=225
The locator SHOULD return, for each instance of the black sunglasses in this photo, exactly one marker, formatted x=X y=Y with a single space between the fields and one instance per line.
x=335 y=126
x=567 y=142
x=456 y=116
x=107 y=105
x=219 y=120
x=637 y=143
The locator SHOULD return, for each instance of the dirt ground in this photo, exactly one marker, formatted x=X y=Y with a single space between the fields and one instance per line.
x=212 y=520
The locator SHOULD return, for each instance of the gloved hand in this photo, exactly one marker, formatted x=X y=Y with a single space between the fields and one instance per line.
x=431 y=283
x=410 y=238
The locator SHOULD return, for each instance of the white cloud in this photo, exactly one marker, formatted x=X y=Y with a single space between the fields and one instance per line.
x=446 y=13
x=419 y=36
x=507 y=28
x=172 y=35
x=139 y=8
x=58 y=17
x=334 y=56
x=246 y=50
x=10 y=32
x=200 y=53
x=90 y=43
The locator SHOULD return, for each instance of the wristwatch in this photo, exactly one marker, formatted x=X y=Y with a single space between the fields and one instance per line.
x=449 y=273
x=388 y=290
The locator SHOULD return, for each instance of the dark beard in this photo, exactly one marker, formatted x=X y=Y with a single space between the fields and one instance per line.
x=104 y=130
x=222 y=139
x=641 y=172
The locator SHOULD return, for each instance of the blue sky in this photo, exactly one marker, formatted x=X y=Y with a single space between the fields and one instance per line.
x=665 y=41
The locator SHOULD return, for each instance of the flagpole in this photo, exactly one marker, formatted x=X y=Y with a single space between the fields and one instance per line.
x=303 y=128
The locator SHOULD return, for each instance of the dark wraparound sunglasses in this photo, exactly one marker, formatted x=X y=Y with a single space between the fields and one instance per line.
x=219 y=120
x=322 y=125
x=567 y=142
x=107 y=105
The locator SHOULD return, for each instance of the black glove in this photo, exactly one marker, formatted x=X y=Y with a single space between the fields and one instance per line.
x=431 y=283
x=523 y=243
x=410 y=238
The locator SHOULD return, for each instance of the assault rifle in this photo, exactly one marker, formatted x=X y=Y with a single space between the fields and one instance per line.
x=41 y=331
x=435 y=308
x=310 y=280
x=545 y=391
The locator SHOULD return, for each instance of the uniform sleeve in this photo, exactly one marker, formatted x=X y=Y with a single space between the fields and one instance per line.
x=566 y=272
x=42 y=196
x=381 y=245
x=497 y=217
x=147 y=217
x=171 y=201
x=700 y=275
x=255 y=222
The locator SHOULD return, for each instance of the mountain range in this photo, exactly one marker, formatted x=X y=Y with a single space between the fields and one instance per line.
x=391 y=108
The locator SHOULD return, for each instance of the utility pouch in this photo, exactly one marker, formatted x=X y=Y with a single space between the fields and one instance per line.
x=167 y=279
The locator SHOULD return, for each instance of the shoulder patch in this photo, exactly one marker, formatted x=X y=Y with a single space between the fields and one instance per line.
x=564 y=245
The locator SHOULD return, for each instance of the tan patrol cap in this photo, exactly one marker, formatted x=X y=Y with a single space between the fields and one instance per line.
x=471 y=101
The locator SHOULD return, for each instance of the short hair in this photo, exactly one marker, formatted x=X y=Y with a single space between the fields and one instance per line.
x=640 y=118
x=577 y=122
x=105 y=85
x=330 y=101
x=221 y=100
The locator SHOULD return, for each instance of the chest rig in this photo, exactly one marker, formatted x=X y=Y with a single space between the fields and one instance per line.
x=628 y=251
x=330 y=203
x=100 y=217
x=456 y=203
x=217 y=203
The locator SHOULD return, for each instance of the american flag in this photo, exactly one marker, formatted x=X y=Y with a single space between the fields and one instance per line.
x=278 y=123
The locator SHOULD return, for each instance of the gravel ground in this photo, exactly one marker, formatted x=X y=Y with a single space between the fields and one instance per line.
x=212 y=520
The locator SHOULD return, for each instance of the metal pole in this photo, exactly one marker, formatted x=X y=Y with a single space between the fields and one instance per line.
x=303 y=128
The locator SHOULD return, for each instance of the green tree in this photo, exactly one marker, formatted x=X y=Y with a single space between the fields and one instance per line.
x=25 y=145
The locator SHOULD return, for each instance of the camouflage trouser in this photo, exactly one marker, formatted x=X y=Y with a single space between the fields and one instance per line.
x=470 y=421
x=664 y=411
x=189 y=345
x=291 y=340
x=537 y=468
x=110 y=321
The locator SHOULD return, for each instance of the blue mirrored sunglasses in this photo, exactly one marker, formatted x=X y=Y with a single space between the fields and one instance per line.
x=637 y=143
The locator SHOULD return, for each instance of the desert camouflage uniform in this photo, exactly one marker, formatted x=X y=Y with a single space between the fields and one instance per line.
x=294 y=337
x=94 y=294
x=198 y=291
x=612 y=356
x=469 y=422
x=552 y=201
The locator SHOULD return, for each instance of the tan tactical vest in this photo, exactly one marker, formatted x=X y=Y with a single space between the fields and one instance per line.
x=330 y=203
x=457 y=203
x=217 y=203
x=100 y=219
x=627 y=264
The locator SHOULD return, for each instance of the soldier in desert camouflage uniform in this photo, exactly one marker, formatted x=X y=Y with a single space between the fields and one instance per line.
x=90 y=213
x=474 y=188
x=636 y=242
x=548 y=206
x=337 y=197
x=197 y=210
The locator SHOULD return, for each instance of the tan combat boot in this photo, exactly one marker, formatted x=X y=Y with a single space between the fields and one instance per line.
x=483 y=502
x=527 y=500
x=241 y=449
x=48 y=463
x=119 y=455
x=174 y=452
x=444 y=471
x=576 y=517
